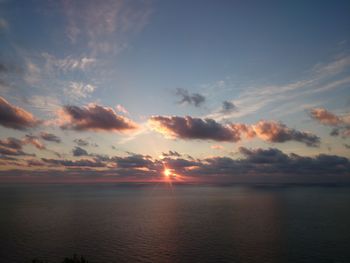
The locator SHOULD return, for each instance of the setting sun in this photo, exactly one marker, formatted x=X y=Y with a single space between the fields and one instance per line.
x=167 y=172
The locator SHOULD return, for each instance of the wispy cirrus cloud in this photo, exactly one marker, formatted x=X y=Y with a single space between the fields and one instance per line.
x=320 y=79
x=68 y=63
x=78 y=90
x=100 y=26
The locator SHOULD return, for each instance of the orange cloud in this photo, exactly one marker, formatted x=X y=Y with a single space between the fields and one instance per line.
x=325 y=117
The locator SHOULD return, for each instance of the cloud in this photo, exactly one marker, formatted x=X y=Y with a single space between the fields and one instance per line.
x=171 y=154
x=50 y=137
x=78 y=151
x=15 y=117
x=341 y=124
x=14 y=147
x=274 y=97
x=193 y=128
x=44 y=103
x=272 y=162
x=104 y=27
x=70 y=163
x=82 y=142
x=3 y=24
x=134 y=161
x=253 y=165
x=272 y=131
x=78 y=90
x=325 y=117
x=68 y=63
x=217 y=147
x=12 y=143
x=120 y=108
x=34 y=140
x=228 y=107
x=195 y=99
x=11 y=146
x=12 y=152
x=209 y=129
x=93 y=117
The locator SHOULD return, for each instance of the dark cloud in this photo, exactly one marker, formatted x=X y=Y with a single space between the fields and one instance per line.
x=11 y=151
x=195 y=99
x=14 y=146
x=228 y=106
x=334 y=132
x=34 y=140
x=134 y=161
x=193 y=128
x=15 y=117
x=274 y=162
x=209 y=129
x=81 y=142
x=180 y=164
x=94 y=117
x=253 y=164
x=70 y=163
x=12 y=143
x=171 y=154
x=50 y=137
x=278 y=132
x=78 y=151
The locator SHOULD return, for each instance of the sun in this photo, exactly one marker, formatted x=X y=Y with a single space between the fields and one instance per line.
x=167 y=172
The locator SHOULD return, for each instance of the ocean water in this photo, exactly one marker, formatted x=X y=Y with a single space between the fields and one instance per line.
x=159 y=223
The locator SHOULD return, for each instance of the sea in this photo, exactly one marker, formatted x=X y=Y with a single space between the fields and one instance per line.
x=109 y=223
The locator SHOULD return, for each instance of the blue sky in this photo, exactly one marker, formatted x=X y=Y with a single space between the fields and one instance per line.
x=133 y=71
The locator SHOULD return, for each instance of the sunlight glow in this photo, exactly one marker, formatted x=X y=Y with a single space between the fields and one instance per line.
x=167 y=172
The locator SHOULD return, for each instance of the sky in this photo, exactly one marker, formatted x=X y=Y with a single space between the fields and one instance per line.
x=174 y=91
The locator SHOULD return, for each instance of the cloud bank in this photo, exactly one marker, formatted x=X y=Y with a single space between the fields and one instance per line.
x=252 y=165
x=208 y=129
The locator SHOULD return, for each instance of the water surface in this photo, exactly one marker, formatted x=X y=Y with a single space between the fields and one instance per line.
x=121 y=223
